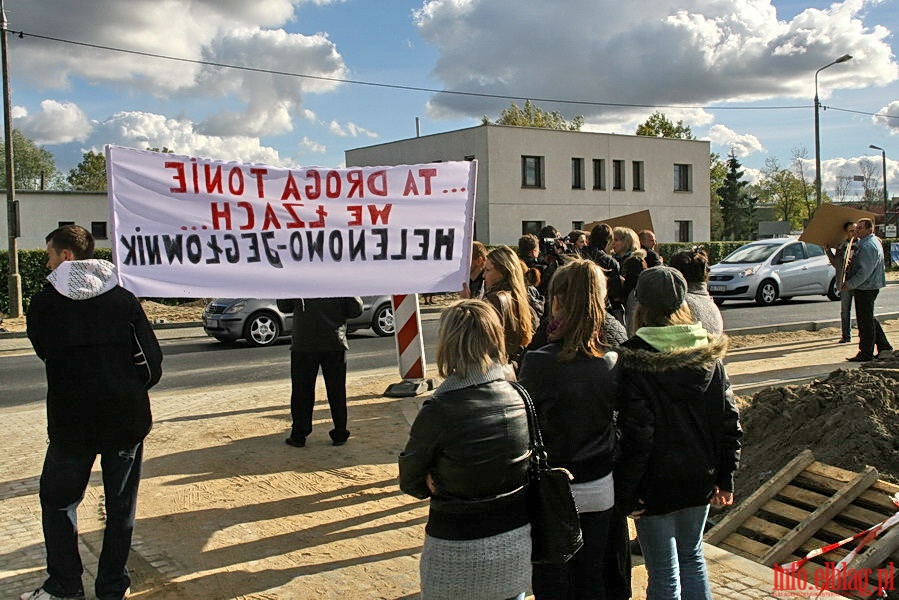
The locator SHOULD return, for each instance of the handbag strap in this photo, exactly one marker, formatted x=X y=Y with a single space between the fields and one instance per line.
x=538 y=450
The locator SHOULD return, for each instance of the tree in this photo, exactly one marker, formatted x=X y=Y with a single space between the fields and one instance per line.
x=717 y=177
x=658 y=125
x=784 y=191
x=737 y=204
x=90 y=174
x=872 y=193
x=842 y=184
x=533 y=116
x=806 y=187
x=34 y=167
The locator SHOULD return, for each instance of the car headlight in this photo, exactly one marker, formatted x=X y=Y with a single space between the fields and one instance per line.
x=748 y=271
x=236 y=307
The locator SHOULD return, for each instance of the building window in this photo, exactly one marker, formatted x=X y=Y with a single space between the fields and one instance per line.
x=599 y=174
x=683 y=231
x=470 y=157
x=532 y=171
x=617 y=174
x=98 y=230
x=62 y=223
x=577 y=225
x=683 y=180
x=532 y=227
x=638 y=175
x=577 y=173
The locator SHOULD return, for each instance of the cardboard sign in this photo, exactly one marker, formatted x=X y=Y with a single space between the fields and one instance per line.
x=637 y=221
x=826 y=227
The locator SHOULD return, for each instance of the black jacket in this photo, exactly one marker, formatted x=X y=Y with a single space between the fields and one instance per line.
x=691 y=421
x=612 y=271
x=575 y=401
x=101 y=357
x=474 y=442
x=319 y=324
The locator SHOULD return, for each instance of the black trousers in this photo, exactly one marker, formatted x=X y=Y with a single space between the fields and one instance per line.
x=304 y=368
x=870 y=333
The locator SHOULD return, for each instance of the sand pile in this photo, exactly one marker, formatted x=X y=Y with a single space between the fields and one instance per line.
x=849 y=420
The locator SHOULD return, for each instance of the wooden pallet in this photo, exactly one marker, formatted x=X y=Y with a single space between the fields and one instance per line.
x=806 y=506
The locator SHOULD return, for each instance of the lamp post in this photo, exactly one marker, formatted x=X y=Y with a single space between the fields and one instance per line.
x=886 y=198
x=842 y=59
x=14 y=281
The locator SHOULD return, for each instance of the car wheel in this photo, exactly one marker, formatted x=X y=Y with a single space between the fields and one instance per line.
x=262 y=329
x=383 y=323
x=767 y=293
x=718 y=301
x=833 y=292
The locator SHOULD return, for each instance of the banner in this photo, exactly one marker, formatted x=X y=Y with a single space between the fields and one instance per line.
x=191 y=227
x=826 y=226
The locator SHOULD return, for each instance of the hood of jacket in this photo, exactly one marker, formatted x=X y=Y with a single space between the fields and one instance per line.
x=84 y=279
x=641 y=354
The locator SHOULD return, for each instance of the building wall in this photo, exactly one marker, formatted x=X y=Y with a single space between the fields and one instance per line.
x=42 y=212
x=503 y=203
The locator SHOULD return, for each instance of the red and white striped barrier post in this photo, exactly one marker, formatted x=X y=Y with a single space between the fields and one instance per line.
x=410 y=349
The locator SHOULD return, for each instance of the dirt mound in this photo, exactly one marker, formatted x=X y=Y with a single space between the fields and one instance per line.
x=849 y=420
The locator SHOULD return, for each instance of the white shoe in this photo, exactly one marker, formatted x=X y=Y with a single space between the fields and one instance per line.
x=42 y=594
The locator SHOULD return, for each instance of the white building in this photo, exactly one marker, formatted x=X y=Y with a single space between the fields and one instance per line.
x=40 y=212
x=529 y=177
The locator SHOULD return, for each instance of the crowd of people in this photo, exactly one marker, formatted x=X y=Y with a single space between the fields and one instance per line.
x=622 y=356
x=621 y=353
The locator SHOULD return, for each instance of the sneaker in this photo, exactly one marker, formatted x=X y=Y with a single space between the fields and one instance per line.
x=844 y=341
x=296 y=442
x=42 y=594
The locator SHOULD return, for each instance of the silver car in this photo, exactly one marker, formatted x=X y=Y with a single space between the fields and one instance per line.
x=770 y=269
x=260 y=322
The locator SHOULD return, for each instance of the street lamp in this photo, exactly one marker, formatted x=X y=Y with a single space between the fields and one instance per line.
x=886 y=200
x=842 y=59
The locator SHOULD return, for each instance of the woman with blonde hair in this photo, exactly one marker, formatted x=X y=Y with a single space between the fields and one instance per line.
x=573 y=382
x=673 y=367
x=632 y=260
x=507 y=293
x=468 y=452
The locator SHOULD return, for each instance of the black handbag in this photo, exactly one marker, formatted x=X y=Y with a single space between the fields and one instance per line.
x=555 y=527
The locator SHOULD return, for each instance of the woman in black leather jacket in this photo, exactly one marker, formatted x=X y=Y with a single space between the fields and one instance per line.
x=574 y=382
x=468 y=452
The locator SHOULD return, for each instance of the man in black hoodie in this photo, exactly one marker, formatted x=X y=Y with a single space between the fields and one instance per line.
x=101 y=357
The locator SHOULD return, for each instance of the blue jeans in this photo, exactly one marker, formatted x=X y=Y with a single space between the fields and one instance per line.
x=846 y=314
x=582 y=577
x=63 y=482
x=672 y=549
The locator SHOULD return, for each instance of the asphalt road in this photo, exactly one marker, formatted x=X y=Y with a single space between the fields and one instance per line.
x=196 y=361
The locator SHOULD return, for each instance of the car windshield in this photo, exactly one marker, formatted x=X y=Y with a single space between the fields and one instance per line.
x=755 y=253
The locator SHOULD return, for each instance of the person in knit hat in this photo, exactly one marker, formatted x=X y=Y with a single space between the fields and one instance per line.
x=672 y=369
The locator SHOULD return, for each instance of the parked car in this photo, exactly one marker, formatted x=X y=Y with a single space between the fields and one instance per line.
x=260 y=322
x=770 y=269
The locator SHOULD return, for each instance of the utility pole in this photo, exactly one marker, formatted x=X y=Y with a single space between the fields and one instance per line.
x=12 y=212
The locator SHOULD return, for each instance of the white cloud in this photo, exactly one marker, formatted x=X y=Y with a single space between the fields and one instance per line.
x=225 y=32
x=891 y=123
x=652 y=52
x=312 y=146
x=349 y=129
x=56 y=123
x=147 y=130
x=742 y=144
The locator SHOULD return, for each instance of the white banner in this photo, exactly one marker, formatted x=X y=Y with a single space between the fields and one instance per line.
x=190 y=227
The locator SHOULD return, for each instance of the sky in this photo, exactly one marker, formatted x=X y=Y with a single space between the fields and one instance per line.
x=324 y=76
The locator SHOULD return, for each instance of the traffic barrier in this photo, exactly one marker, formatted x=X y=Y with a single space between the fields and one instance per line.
x=410 y=349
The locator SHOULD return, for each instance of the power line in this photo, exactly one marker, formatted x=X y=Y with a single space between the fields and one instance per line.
x=411 y=88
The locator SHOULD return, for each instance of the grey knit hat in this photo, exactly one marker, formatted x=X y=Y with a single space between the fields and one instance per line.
x=661 y=287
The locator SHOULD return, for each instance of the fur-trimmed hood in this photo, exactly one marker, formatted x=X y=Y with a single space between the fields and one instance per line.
x=639 y=355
